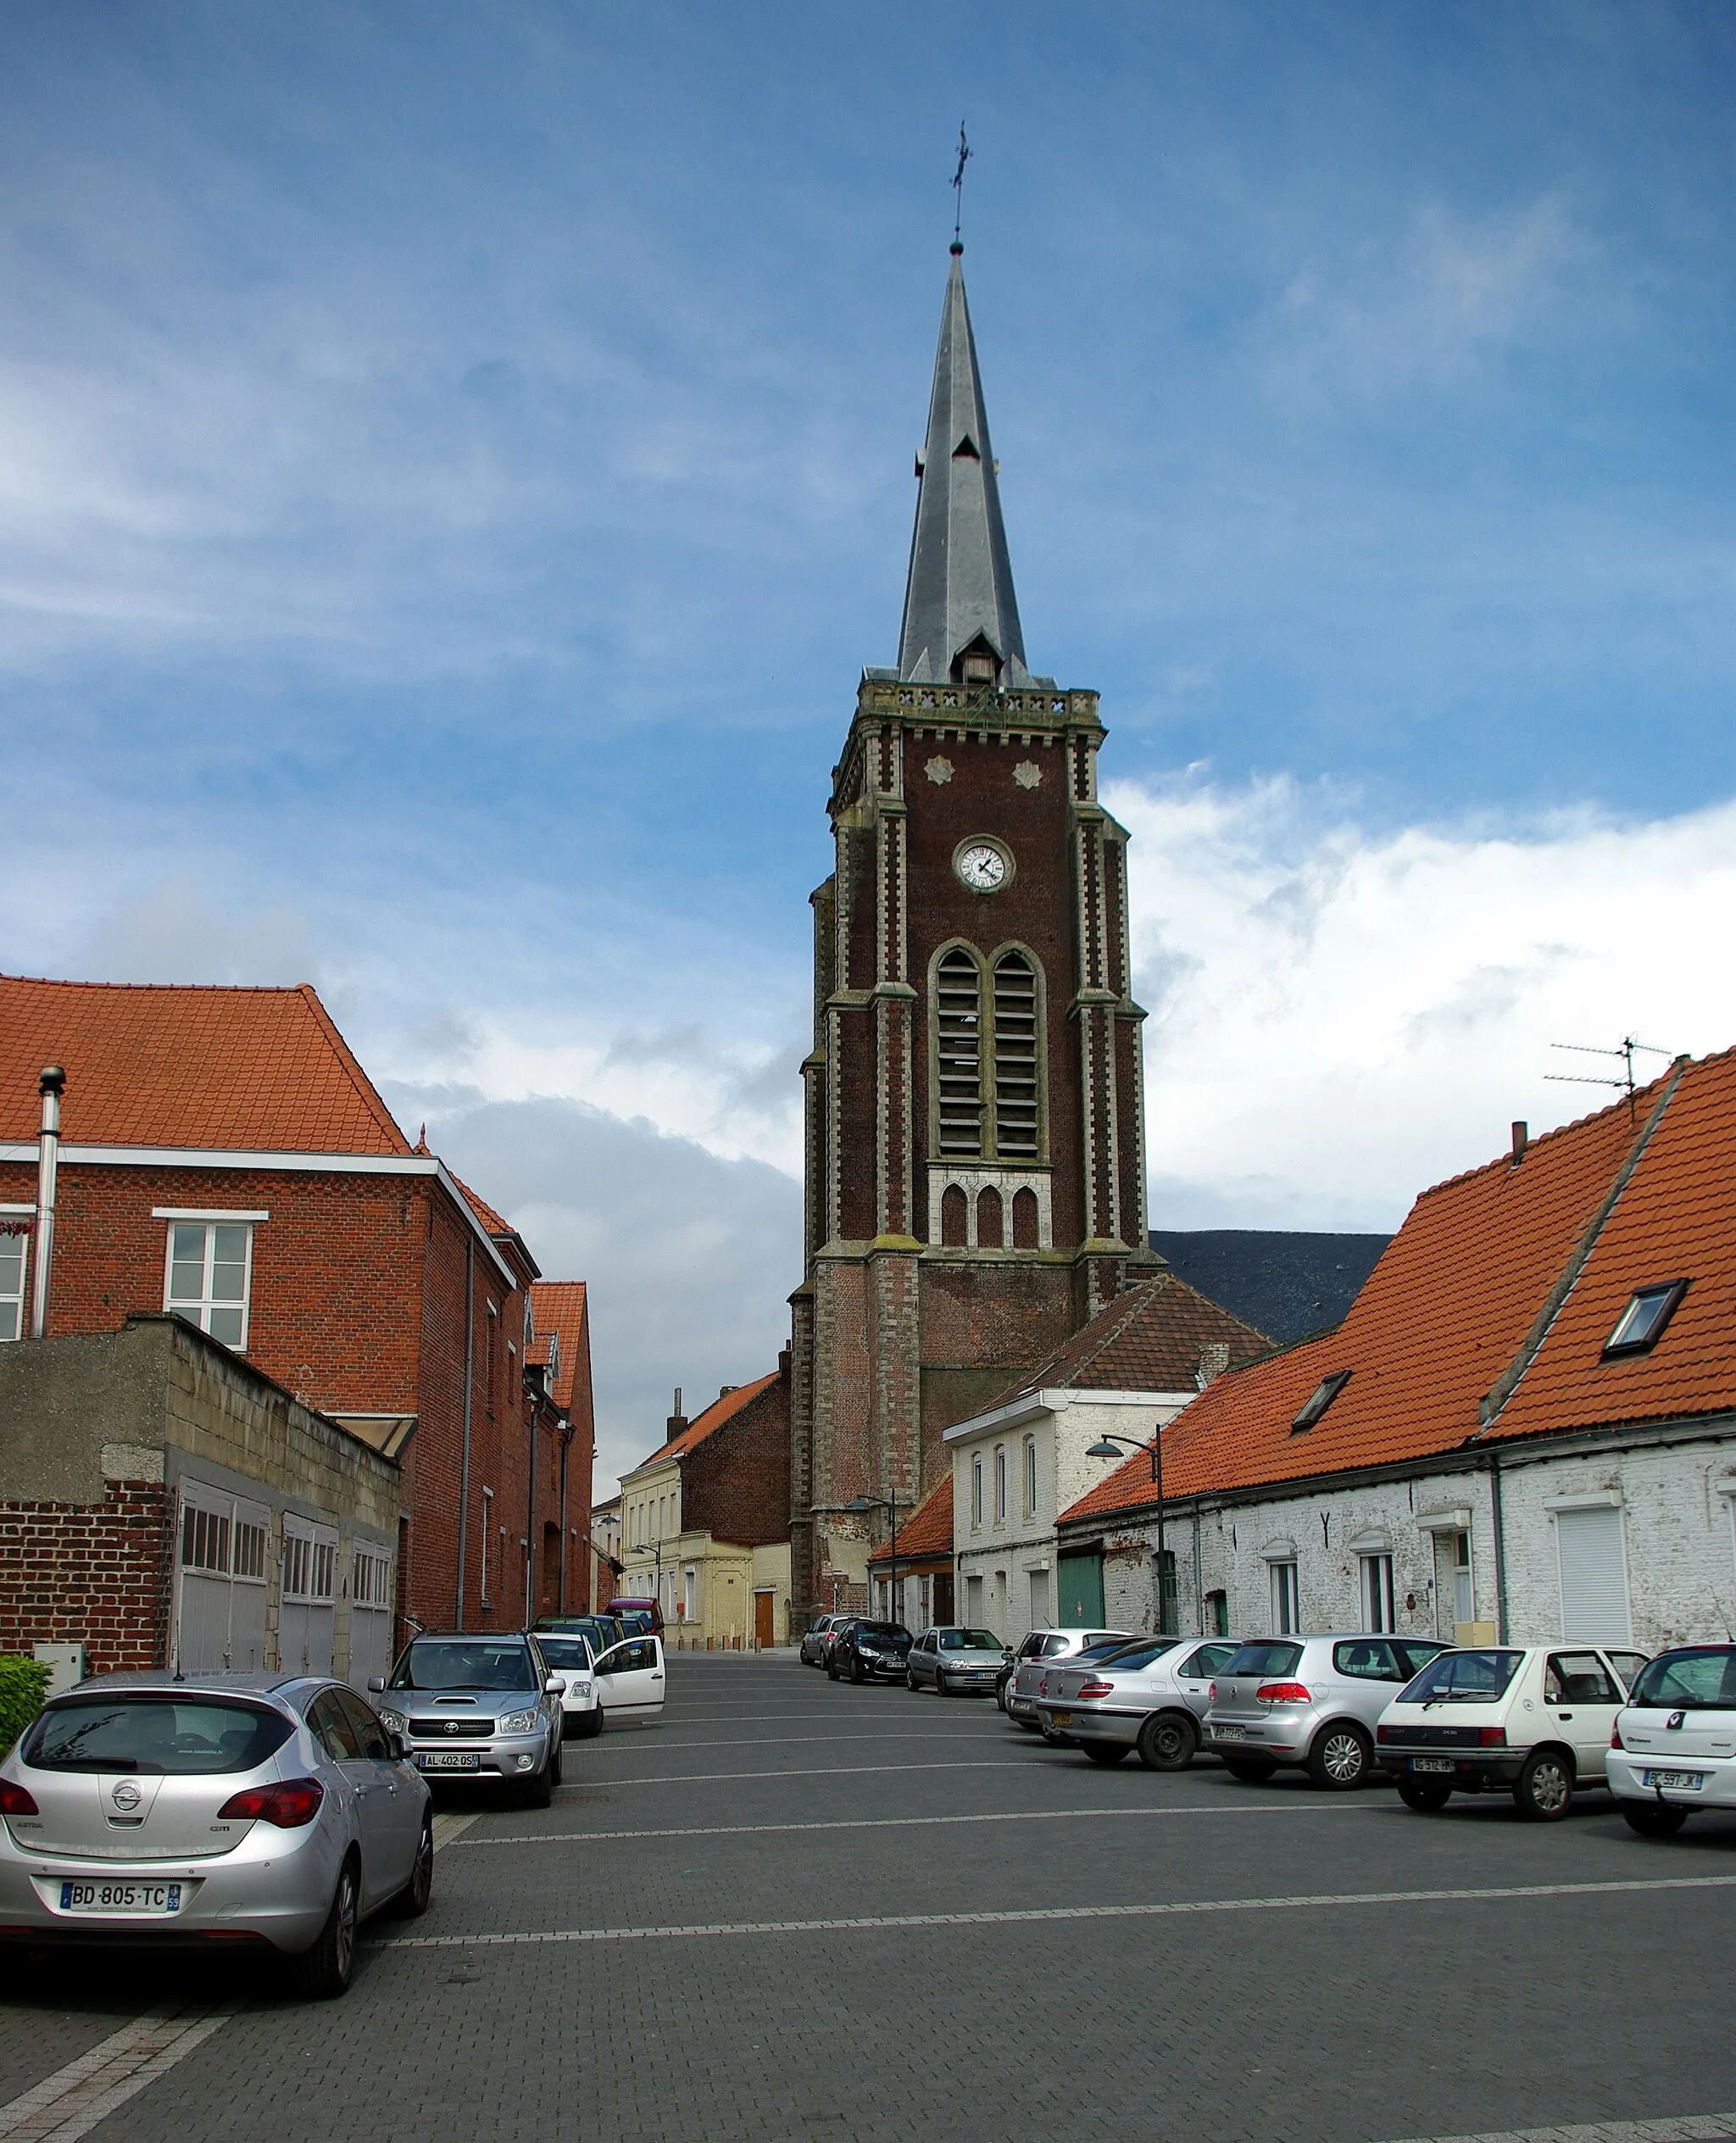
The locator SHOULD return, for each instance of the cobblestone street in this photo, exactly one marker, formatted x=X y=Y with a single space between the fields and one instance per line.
x=803 y=1910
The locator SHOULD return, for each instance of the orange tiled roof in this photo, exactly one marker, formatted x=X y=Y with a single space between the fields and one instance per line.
x=929 y=1531
x=492 y=1221
x=714 y=1418
x=1452 y=1311
x=244 y=1070
x=560 y=1306
x=1150 y=1337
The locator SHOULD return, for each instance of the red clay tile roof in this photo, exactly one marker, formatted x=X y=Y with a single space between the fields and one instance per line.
x=242 y=1070
x=560 y=1306
x=1151 y=1338
x=714 y=1418
x=492 y=1221
x=929 y=1529
x=1453 y=1308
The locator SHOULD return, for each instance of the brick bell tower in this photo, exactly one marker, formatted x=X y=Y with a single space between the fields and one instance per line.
x=974 y=1161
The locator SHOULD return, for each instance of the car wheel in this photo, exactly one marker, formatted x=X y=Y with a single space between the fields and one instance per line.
x=1252 y=1771
x=412 y=1900
x=1167 y=1740
x=1653 y=1818
x=856 y=1673
x=555 y=1762
x=325 y=1971
x=943 y=1683
x=590 y=1724
x=1427 y=1796
x=1545 y=1787
x=1340 y=1757
x=1000 y=1694
x=538 y=1791
x=830 y=1668
x=1106 y=1752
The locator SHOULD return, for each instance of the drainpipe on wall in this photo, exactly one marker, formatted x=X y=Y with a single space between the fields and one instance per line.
x=1494 y=1501
x=464 y=1471
x=50 y=1086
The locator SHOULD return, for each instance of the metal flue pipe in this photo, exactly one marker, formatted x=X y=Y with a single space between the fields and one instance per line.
x=51 y=1087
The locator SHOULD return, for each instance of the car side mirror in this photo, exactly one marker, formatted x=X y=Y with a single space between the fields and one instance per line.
x=555 y=1685
x=376 y=1683
x=399 y=1747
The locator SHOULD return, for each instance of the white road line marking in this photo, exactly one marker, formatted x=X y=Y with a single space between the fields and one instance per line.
x=71 y=2102
x=785 y=1740
x=820 y=1771
x=1177 y=1909
x=1690 y=2128
x=917 y=1822
x=449 y=1827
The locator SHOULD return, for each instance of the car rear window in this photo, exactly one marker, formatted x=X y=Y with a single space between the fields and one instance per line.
x=178 y=1737
x=1703 y=1679
x=881 y=1629
x=1463 y=1678
x=1265 y=1659
x=463 y=1663
x=1142 y=1652
x=969 y=1640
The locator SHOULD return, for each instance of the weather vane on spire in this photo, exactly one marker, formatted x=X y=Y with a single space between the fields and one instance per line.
x=958 y=183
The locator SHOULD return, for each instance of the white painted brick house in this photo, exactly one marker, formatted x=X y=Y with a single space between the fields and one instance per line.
x=1524 y=1428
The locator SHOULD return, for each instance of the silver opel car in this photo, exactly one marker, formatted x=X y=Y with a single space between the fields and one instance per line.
x=262 y=1810
x=482 y=1708
x=1313 y=1701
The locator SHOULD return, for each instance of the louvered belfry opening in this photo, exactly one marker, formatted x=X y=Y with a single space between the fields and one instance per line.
x=1015 y=1068
x=959 y=995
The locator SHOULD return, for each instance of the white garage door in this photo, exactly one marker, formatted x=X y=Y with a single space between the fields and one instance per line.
x=1593 y=1576
x=307 y=1609
x=219 y=1593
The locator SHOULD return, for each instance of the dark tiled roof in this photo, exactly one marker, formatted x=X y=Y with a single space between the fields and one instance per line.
x=1152 y=1337
x=1282 y=1281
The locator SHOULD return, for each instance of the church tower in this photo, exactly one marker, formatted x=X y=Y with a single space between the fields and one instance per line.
x=975 y=1166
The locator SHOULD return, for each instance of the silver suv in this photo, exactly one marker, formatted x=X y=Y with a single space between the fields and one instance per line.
x=1311 y=1701
x=479 y=1708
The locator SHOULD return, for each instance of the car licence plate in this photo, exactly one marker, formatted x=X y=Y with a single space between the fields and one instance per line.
x=1061 y=1718
x=449 y=1760
x=144 y=1899
x=1682 y=1781
x=1226 y=1733
x=1432 y=1763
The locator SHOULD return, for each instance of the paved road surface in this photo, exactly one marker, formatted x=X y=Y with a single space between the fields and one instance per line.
x=798 y=1910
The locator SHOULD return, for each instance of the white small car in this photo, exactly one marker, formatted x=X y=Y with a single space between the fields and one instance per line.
x=1530 y=1720
x=581 y=1701
x=630 y=1682
x=1674 y=1746
x=1017 y=1693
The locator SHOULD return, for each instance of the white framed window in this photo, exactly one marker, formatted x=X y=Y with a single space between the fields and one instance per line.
x=1000 y=1484
x=1379 y=1609
x=690 y=1592
x=371 y=1578
x=1030 y=1477
x=977 y=1488
x=1464 y=1598
x=1286 y=1607
x=14 y=1261
x=209 y=1275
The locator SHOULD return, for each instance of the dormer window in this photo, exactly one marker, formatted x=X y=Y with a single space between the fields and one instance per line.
x=1324 y=1393
x=1641 y=1324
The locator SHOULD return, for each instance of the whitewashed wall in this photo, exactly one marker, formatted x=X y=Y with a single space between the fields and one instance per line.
x=1676 y=1528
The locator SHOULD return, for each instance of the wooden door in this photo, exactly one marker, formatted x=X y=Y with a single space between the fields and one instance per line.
x=763 y=1618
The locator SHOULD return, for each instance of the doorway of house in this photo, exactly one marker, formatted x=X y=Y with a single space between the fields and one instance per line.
x=764 y=1620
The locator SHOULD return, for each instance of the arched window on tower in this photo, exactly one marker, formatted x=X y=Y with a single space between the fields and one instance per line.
x=955 y=1217
x=988 y=1219
x=1016 y=1058
x=1025 y=1220
x=959 y=1052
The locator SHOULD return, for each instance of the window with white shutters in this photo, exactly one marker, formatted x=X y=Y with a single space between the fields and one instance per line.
x=1594 y=1570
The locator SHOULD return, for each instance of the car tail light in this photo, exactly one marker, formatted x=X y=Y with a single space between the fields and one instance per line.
x=16 y=1800
x=1281 y=1692
x=289 y=1806
x=1095 y=1688
x=1492 y=1737
x=1384 y=1733
x=1615 y=1733
x=1211 y=1693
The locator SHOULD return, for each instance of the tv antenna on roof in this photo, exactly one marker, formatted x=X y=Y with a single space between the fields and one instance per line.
x=1623 y=1080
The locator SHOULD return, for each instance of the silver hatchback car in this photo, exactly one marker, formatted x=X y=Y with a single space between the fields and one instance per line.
x=1309 y=1702
x=217 y=1810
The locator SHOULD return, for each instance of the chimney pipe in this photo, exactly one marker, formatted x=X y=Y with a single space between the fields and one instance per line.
x=50 y=1086
x=1521 y=1138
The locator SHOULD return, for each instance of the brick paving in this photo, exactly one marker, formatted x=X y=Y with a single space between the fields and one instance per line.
x=771 y=1796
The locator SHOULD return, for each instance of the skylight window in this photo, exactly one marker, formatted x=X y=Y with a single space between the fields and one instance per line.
x=1324 y=1393
x=1641 y=1324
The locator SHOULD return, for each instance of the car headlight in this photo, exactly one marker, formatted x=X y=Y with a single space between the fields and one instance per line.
x=393 y=1721
x=579 y=1688
x=519 y=1722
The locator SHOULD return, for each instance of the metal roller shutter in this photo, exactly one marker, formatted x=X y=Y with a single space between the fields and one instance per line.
x=1593 y=1576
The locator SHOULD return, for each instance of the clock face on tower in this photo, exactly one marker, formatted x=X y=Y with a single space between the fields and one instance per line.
x=982 y=865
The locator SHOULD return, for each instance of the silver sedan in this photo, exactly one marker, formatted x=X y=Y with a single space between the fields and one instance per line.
x=1149 y=1697
x=227 y=1810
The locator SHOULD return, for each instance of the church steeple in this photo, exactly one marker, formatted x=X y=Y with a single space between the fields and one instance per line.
x=961 y=617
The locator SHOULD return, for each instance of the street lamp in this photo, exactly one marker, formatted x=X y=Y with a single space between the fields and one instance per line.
x=1106 y=1447
x=860 y=1506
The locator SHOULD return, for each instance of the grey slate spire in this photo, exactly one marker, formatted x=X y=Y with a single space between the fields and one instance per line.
x=960 y=590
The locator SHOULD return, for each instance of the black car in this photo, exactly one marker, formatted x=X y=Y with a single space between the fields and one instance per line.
x=863 y=1651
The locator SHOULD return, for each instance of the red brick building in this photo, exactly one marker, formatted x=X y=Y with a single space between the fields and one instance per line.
x=560 y=1312
x=224 y=1156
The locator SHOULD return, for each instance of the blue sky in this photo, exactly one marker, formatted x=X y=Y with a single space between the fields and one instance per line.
x=455 y=461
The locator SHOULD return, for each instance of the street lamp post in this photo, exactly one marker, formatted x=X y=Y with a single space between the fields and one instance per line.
x=1106 y=1447
x=860 y=1506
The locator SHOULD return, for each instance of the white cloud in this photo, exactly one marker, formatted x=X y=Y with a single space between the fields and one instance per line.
x=1340 y=1018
